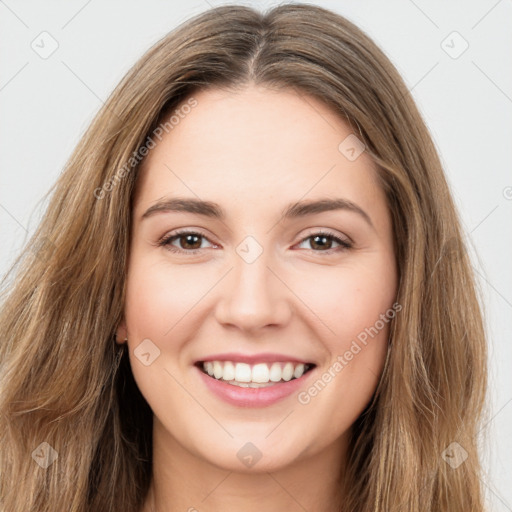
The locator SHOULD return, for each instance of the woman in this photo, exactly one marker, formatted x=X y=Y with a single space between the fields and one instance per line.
x=318 y=346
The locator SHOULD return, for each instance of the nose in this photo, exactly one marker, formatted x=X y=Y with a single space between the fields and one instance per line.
x=253 y=296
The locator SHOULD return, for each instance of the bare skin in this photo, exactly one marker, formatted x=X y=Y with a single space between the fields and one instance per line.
x=254 y=152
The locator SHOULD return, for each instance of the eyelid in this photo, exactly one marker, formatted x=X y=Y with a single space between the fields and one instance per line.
x=329 y=232
x=344 y=242
x=165 y=239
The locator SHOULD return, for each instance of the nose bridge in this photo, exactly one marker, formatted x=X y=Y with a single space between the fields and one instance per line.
x=253 y=296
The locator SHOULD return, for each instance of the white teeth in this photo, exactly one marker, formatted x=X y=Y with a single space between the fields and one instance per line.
x=240 y=384
x=229 y=371
x=288 y=371
x=249 y=384
x=259 y=375
x=275 y=372
x=299 y=371
x=242 y=372
x=218 y=370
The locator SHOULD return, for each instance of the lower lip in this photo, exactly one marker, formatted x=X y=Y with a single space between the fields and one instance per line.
x=252 y=397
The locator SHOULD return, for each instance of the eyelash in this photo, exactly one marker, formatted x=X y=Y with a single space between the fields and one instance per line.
x=166 y=242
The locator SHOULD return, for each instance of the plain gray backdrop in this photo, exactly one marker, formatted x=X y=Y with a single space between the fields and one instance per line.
x=61 y=59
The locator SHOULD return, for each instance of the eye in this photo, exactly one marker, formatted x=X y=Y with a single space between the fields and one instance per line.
x=324 y=240
x=189 y=241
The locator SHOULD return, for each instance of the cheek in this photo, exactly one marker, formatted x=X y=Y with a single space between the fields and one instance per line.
x=349 y=300
x=351 y=304
x=157 y=297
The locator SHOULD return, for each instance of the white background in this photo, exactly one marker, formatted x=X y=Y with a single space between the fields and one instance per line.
x=46 y=104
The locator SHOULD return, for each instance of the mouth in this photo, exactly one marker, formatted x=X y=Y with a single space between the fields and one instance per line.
x=253 y=380
x=258 y=375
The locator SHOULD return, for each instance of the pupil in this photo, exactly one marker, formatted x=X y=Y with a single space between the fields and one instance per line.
x=320 y=237
x=319 y=240
x=189 y=237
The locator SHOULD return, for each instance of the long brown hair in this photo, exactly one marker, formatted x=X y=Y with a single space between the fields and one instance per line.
x=67 y=390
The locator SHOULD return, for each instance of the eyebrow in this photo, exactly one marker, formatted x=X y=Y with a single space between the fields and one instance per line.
x=215 y=211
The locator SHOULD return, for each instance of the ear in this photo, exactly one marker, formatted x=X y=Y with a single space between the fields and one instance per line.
x=121 y=333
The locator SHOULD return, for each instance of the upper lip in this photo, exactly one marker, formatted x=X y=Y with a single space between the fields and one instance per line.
x=265 y=357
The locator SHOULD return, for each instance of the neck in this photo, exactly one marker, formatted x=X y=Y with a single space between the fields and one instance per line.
x=182 y=481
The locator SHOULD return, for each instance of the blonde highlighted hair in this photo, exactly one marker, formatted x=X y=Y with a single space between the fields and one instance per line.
x=65 y=382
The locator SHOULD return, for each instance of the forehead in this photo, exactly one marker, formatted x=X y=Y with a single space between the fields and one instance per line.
x=256 y=147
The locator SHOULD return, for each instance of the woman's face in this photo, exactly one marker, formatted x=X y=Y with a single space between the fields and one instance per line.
x=255 y=285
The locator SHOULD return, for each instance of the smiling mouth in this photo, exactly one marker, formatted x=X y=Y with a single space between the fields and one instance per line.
x=258 y=375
